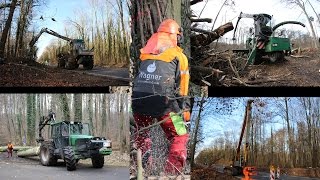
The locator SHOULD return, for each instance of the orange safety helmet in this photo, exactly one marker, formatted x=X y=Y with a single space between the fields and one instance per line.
x=169 y=26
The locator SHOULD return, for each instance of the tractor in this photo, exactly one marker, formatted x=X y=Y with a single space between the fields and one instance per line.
x=71 y=141
x=262 y=41
x=77 y=54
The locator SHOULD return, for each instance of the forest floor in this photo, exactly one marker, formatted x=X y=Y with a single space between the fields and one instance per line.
x=116 y=167
x=18 y=74
x=216 y=173
x=303 y=71
x=297 y=70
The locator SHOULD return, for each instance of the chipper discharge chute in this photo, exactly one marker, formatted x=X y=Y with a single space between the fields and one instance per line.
x=262 y=41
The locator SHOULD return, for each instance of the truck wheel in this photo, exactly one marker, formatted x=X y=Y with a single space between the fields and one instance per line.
x=69 y=158
x=47 y=157
x=61 y=63
x=88 y=65
x=258 y=59
x=71 y=64
x=276 y=56
x=97 y=161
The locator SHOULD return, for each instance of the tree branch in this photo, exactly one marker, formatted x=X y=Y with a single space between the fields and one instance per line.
x=8 y=5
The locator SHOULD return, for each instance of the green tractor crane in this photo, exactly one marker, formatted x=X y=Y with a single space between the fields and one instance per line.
x=71 y=141
x=77 y=54
x=262 y=41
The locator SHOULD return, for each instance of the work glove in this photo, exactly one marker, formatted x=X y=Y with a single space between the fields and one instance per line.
x=186 y=116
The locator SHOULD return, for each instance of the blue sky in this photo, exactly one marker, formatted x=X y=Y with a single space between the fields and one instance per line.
x=215 y=124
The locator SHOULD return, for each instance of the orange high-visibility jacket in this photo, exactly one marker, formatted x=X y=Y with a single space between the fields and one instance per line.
x=181 y=72
x=165 y=74
x=10 y=146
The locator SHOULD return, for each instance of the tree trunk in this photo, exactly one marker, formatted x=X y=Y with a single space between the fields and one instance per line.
x=195 y=132
x=65 y=107
x=31 y=113
x=291 y=151
x=77 y=107
x=90 y=113
x=302 y=6
x=146 y=17
x=104 y=113
x=6 y=28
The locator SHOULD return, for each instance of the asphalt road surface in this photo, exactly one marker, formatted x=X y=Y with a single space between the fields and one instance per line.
x=113 y=73
x=35 y=171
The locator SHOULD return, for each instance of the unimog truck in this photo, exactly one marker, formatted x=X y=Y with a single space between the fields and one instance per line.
x=71 y=141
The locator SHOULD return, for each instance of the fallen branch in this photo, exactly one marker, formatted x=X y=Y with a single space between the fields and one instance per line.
x=201 y=30
x=267 y=81
x=206 y=69
x=241 y=82
x=233 y=69
x=208 y=36
x=195 y=2
x=208 y=20
x=139 y=163
x=299 y=56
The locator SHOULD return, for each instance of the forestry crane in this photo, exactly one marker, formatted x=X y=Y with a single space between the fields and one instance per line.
x=77 y=54
x=240 y=162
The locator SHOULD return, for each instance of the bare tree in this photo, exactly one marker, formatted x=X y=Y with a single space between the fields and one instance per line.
x=7 y=28
x=301 y=4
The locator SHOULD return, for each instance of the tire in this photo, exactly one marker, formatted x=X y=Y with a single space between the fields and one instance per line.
x=258 y=59
x=47 y=157
x=71 y=64
x=69 y=158
x=97 y=161
x=276 y=56
x=61 y=63
x=88 y=65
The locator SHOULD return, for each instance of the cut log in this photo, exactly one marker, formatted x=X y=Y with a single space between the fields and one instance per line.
x=29 y=152
x=207 y=37
x=16 y=148
x=205 y=69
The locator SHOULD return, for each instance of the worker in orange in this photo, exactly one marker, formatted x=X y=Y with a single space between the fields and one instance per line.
x=160 y=90
x=10 y=149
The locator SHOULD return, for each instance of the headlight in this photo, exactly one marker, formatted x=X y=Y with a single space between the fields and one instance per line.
x=107 y=144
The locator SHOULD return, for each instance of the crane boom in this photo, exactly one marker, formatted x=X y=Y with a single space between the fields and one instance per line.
x=49 y=31
x=43 y=122
x=244 y=127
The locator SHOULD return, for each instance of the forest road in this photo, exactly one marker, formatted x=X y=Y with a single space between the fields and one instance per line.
x=31 y=169
x=112 y=73
x=266 y=176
